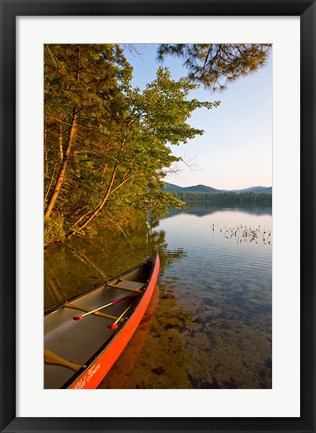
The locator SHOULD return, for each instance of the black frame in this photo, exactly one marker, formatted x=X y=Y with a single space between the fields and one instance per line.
x=10 y=9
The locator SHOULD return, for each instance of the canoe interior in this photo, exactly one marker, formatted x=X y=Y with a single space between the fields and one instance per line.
x=78 y=341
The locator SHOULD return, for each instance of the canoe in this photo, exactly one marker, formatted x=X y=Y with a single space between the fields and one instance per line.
x=84 y=336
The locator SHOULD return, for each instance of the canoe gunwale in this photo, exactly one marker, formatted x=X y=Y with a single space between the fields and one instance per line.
x=119 y=333
x=97 y=286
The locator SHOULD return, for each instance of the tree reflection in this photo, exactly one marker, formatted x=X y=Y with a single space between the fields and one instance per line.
x=83 y=262
x=203 y=209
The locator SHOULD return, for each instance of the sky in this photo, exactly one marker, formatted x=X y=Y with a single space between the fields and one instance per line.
x=235 y=150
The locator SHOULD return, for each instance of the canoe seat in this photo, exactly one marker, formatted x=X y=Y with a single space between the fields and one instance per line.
x=132 y=286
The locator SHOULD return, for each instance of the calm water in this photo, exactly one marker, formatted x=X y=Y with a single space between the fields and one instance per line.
x=209 y=324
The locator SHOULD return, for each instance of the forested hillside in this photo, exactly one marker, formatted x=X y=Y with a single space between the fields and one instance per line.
x=227 y=198
x=257 y=195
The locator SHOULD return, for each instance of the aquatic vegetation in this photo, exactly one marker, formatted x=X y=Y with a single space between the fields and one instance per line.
x=243 y=233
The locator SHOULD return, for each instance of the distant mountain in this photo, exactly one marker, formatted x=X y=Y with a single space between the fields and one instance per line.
x=257 y=189
x=170 y=187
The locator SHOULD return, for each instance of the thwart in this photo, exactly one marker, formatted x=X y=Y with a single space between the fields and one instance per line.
x=81 y=349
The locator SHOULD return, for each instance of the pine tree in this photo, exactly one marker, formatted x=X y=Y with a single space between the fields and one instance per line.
x=216 y=65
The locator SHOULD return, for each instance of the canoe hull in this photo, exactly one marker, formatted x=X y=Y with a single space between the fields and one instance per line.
x=106 y=359
x=79 y=353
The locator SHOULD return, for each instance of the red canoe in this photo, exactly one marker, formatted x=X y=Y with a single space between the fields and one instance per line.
x=84 y=337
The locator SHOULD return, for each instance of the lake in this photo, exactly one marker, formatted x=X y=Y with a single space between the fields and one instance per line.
x=209 y=324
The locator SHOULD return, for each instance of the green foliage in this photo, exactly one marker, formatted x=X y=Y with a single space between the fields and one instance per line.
x=120 y=138
x=164 y=108
x=216 y=65
x=54 y=230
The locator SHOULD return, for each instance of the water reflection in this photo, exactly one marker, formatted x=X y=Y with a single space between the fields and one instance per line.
x=226 y=288
x=83 y=262
x=211 y=325
x=202 y=209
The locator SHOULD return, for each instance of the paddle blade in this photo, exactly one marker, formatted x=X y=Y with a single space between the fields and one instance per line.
x=77 y=318
x=113 y=326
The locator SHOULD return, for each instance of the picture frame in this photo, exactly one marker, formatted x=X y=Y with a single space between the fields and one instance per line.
x=10 y=10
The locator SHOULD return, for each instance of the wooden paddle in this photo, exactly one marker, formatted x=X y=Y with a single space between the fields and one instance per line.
x=53 y=359
x=85 y=310
x=104 y=306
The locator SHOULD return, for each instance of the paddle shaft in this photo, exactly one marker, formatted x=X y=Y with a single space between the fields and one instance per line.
x=114 y=324
x=108 y=305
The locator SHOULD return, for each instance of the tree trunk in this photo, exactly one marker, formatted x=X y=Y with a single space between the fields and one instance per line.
x=50 y=183
x=65 y=155
x=45 y=152
x=61 y=150
x=97 y=210
x=62 y=171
